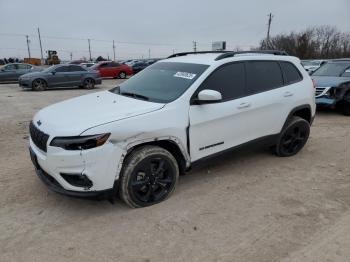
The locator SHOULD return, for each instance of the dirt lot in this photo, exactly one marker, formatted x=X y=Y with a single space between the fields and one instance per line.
x=244 y=206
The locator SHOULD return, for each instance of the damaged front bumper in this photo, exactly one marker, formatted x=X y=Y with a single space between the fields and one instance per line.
x=84 y=173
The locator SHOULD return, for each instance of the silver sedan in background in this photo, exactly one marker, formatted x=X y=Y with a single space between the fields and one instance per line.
x=65 y=75
x=11 y=72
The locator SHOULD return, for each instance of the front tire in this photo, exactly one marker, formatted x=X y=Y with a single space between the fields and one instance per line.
x=293 y=137
x=149 y=176
x=39 y=85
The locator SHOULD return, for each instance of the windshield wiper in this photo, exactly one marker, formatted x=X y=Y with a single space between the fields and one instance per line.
x=134 y=95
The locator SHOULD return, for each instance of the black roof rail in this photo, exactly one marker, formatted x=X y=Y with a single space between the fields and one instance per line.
x=231 y=54
x=199 y=52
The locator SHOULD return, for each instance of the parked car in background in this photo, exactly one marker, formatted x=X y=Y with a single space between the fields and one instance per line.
x=64 y=75
x=11 y=72
x=139 y=66
x=312 y=65
x=332 y=82
x=87 y=64
x=112 y=69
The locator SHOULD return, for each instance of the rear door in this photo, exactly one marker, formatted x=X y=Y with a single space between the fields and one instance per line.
x=267 y=97
x=23 y=69
x=76 y=75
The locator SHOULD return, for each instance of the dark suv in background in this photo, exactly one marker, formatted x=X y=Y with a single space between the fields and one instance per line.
x=332 y=82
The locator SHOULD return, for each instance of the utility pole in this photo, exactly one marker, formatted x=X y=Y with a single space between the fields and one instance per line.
x=71 y=56
x=268 y=30
x=149 y=52
x=113 y=51
x=41 y=47
x=194 y=46
x=89 y=49
x=27 y=37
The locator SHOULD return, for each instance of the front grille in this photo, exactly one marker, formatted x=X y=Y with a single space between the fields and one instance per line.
x=38 y=137
x=319 y=90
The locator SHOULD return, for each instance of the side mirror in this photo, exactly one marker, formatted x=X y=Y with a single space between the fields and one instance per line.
x=3 y=70
x=53 y=72
x=208 y=96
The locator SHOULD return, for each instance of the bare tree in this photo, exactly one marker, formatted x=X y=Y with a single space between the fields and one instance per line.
x=318 y=42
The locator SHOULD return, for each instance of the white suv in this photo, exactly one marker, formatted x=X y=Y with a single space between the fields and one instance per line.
x=138 y=137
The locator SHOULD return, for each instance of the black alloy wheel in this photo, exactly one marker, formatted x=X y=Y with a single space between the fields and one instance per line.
x=149 y=177
x=293 y=137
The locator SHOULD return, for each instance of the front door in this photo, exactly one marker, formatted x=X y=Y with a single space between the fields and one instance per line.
x=218 y=126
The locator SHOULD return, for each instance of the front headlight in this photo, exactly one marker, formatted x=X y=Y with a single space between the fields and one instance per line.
x=80 y=142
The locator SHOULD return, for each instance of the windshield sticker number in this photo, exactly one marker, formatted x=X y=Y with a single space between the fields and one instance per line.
x=185 y=75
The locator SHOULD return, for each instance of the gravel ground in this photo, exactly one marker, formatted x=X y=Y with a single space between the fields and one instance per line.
x=244 y=206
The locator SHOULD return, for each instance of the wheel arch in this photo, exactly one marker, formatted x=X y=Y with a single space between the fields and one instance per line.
x=303 y=111
x=171 y=145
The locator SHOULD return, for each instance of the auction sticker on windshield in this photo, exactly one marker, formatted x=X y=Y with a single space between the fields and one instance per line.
x=185 y=75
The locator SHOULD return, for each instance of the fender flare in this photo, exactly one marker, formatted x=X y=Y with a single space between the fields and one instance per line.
x=292 y=112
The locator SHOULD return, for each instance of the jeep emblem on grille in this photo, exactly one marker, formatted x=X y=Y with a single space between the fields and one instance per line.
x=38 y=122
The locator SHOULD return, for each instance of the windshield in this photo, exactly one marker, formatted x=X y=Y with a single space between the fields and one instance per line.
x=332 y=69
x=162 y=82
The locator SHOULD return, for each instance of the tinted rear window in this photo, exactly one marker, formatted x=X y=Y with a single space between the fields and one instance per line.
x=263 y=76
x=290 y=72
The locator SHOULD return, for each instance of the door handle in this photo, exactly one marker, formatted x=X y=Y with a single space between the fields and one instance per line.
x=288 y=94
x=244 y=105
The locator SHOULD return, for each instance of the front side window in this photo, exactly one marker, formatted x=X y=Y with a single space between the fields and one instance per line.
x=263 y=76
x=228 y=79
x=162 y=82
x=291 y=73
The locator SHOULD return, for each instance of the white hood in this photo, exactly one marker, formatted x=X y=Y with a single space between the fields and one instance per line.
x=74 y=116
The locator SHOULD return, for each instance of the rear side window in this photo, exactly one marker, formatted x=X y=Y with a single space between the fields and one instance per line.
x=290 y=72
x=74 y=68
x=263 y=76
x=229 y=80
x=62 y=69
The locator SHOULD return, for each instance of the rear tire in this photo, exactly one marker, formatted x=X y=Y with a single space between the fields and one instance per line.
x=89 y=83
x=149 y=176
x=293 y=137
x=39 y=85
x=122 y=75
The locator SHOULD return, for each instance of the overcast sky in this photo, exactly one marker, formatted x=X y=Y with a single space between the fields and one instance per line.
x=161 y=26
